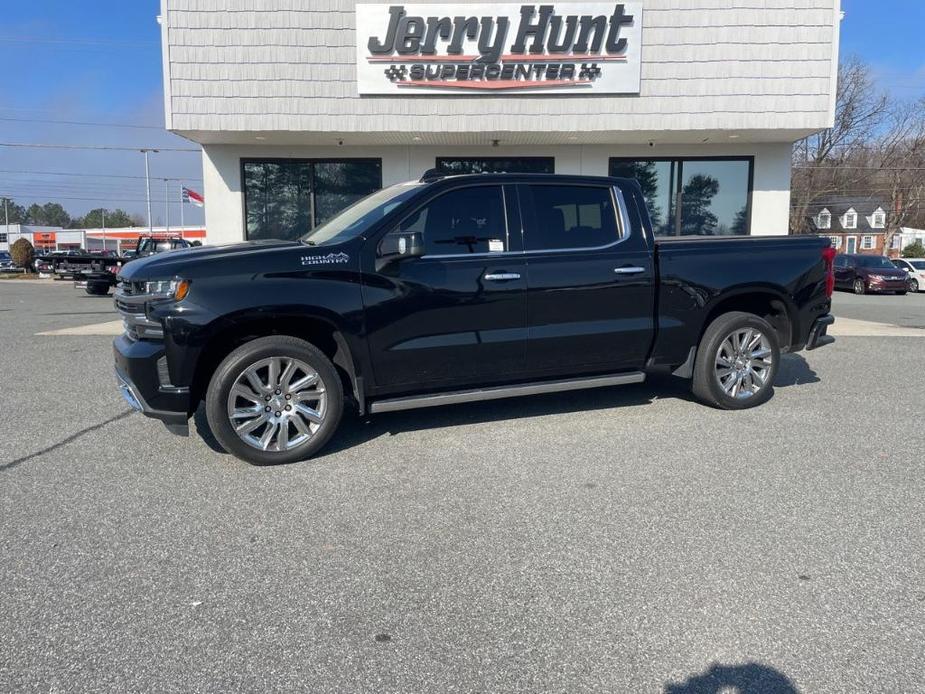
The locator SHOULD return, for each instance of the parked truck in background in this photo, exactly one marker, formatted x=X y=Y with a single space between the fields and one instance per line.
x=96 y=273
x=458 y=289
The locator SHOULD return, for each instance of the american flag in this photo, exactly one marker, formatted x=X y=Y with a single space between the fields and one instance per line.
x=193 y=197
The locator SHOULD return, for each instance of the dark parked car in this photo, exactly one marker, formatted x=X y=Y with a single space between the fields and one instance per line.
x=869 y=273
x=6 y=260
x=457 y=289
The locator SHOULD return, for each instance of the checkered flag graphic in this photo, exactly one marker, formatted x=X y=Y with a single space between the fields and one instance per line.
x=589 y=72
x=396 y=73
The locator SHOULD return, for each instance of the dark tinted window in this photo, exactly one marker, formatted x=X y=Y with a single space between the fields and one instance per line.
x=568 y=217
x=471 y=165
x=468 y=220
x=841 y=261
x=706 y=197
x=285 y=199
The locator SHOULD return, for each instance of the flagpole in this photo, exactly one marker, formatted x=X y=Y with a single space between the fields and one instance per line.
x=182 y=223
x=167 y=205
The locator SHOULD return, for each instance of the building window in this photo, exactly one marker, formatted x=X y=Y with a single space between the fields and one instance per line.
x=471 y=165
x=693 y=196
x=850 y=220
x=824 y=220
x=867 y=243
x=3 y=238
x=287 y=198
x=836 y=242
x=878 y=221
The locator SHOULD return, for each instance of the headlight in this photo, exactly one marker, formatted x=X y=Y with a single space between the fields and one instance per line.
x=168 y=289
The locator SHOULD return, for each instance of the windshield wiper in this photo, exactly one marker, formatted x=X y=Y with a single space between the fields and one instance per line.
x=309 y=243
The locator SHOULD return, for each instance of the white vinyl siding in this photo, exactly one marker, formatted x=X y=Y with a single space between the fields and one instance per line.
x=706 y=65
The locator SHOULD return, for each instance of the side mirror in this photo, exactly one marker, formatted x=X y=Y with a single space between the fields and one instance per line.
x=400 y=245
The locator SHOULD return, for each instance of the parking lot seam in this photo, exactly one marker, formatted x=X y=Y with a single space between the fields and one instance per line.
x=73 y=437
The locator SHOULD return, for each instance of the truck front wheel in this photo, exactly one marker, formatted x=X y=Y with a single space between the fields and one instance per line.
x=273 y=400
x=737 y=361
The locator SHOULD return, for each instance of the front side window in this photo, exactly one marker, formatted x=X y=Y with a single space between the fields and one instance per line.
x=473 y=165
x=462 y=221
x=841 y=261
x=287 y=198
x=902 y=264
x=693 y=196
x=568 y=217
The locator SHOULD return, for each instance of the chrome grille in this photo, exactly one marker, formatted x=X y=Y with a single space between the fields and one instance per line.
x=131 y=307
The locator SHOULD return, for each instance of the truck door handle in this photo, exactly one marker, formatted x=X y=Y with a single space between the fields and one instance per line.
x=502 y=276
x=629 y=270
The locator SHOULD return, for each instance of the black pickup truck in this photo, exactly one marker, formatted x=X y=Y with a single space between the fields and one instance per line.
x=456 y=289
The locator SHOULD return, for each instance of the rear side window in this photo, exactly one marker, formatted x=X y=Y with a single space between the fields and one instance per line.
x=467 y=220
x=566 y=217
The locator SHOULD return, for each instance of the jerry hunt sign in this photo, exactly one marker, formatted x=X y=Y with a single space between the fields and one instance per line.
x=587 y=47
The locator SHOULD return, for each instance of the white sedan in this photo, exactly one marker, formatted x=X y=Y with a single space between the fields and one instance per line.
x=916 y=269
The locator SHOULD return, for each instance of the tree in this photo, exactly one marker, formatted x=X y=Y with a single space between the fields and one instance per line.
x=914 y=250
x=15 y=213
x=696 y=198
x=50 y=214
x=22 y=253
x=114 y=219
x=861 y=108
x=740 y=223
x=875 y=150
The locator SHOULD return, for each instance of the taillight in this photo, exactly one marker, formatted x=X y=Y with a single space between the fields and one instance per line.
x=828 y=256
x=112 y=268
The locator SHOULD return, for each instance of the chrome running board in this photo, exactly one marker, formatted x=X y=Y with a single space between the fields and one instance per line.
x=499 y=392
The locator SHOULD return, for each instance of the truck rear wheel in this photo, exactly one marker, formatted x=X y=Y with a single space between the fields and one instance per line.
x=737 y=361
x=274 y=400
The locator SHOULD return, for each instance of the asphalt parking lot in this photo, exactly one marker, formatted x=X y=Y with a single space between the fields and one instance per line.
x=621 y=540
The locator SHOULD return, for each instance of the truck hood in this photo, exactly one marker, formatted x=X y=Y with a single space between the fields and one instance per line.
x=171 y=263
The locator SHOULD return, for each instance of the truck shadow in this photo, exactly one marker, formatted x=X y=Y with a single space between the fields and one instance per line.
x=794 y=371
x=356 y=430
x=750 y=678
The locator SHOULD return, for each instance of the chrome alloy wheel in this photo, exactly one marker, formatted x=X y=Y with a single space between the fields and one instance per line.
x=277 y=404
x=743 y=363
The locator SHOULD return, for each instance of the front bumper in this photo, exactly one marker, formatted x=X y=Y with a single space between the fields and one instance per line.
x=898 y=285
x=140 y=382
x=817 y=334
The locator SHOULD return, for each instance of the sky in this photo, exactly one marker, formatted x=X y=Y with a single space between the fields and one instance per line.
x=99 y=61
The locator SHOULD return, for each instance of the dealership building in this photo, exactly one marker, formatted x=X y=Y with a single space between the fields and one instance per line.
x=303 y=106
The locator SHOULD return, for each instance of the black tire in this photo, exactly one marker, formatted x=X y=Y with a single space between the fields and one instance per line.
x=97 y=289
x=859 y=287
x=246 y=355
x=706 y=385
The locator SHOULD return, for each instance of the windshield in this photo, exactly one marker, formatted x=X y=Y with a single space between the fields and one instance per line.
x=354 y=220
x=917 y=264
x=875 y=261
